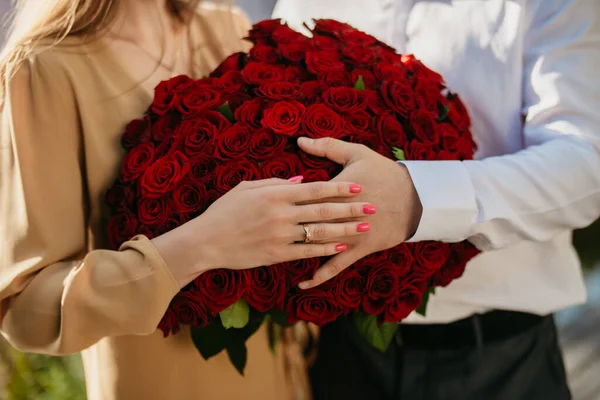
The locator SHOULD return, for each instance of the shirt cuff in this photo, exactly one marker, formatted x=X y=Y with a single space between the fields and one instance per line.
x=448 y=199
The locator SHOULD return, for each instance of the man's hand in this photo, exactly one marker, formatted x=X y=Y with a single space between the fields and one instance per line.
x=386 y=184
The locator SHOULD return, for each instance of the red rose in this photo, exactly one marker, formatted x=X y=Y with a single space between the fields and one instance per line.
x=283 y=34
x=359 y=55
x=357 y=38
x=215 y=118
x=221 y=288
x=264 y=144
x=387 y=54
x=258 y=73
x=234 y=62
x=300 y=270
x=165 y=126
x=402 y=258
x=429 y=95
x=316 y=306
x=278 y=91
x=263 y=30
x=196 y=136
x=144 y=230
x=390 y=72
x=326 y=43
x=349 y=290
x=399 y=97
x=162 y=176
x=457 y=113
x=372 y=260
x=233 y=142
x=136 y=132
x=228 y=175
x=153 y=212
x=169 y=324
x=202 y=168
x=294 y=51
x=318 y=163
x=420 y=151
x=263 y=53
x=250 y=113
x=331 y=27
x=315 y=175
x=231 y=82
x=284 y=117
x=367 y=76
x=283 y=166
x=311 y=91
x=375 y=103
x=190 y=309
x=318 y=62
x=424 y=126
x=121 y=227
x=295 y=74
x=336 y=79
x=460 y=255
x=372 y=141
x=268 y=288
x=409 y=299
x=381 y=289
x=321 y=121
x=166 y=93
x=119 y=196
x=358 y=123
x=171 y=223
x=429 y=257
x=136 y=161
x=391 y=131
x=420 y=70
x=188 y=197
x=345 y=100
x=449 y=137
x=197 y=98
x=236 y=99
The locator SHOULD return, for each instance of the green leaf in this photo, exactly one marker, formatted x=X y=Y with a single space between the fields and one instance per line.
x=379 y=336
x=210 y=340
x=236 y=315
x=275 y=332
x=225 y=111
x=399 y=154
x=238 y=354
x=279 y=317
x=360 y=83
x=443 y=112
x=424 y=300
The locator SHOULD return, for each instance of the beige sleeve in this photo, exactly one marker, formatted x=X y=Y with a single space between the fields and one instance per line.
x=56 y=297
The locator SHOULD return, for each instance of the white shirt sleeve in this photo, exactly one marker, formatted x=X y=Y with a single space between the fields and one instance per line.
x=551 y=186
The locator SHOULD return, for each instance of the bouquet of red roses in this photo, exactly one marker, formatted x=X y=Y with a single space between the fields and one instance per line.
x=200 y=138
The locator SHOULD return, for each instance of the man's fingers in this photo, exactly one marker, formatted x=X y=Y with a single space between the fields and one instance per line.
x=336 y=150
x=333 y=267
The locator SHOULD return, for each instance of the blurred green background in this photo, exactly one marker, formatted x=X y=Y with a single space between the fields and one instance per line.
x=36 y=377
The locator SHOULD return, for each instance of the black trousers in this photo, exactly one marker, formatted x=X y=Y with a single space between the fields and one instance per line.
x=514 y=357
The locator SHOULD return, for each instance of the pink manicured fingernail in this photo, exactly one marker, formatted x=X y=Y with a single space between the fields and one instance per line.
x=369 y=209
x=340 y=247
x=354 y=188
x=366 y=227
x=303 y=285
x=296 y=179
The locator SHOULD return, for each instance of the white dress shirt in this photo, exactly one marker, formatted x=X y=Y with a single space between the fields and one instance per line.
x=535 y=178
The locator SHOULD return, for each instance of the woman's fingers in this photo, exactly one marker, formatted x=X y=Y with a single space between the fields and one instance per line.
x=323 y=233
x=315 y=191
x=322 y=212
x=301 y=251
x=246 y=185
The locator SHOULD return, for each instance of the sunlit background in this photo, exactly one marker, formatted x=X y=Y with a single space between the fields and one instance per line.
x=35 y=377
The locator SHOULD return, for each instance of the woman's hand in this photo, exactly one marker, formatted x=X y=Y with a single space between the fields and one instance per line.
x=261 y=223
